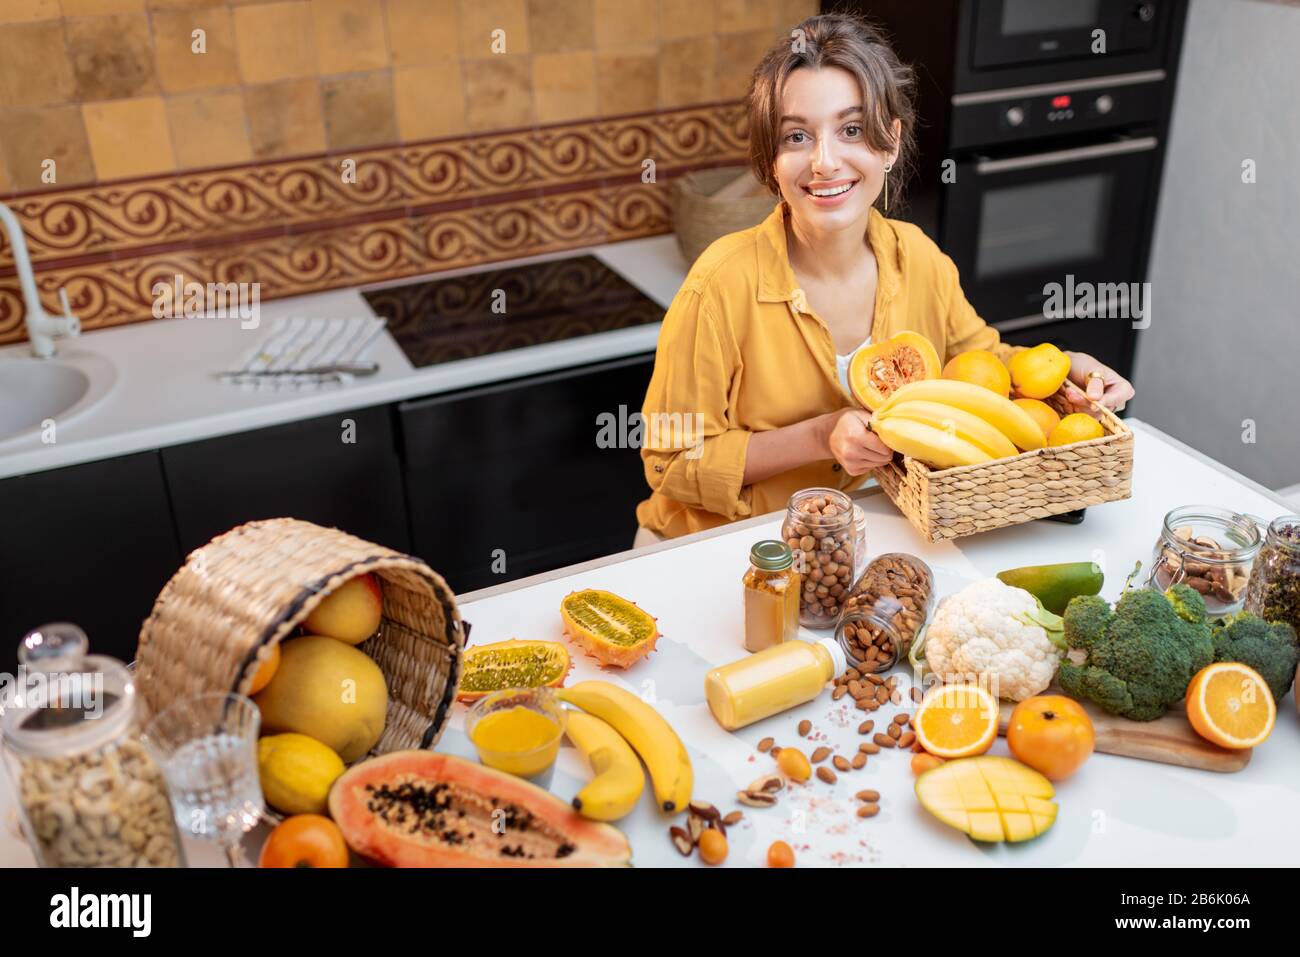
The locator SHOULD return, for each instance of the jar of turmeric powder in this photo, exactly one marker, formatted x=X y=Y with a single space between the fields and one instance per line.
x=771 y=596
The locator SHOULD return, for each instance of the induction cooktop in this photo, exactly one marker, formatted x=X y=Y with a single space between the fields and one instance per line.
x=441 y=320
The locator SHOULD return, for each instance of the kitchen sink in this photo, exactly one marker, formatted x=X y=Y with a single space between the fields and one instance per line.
x=33 y=391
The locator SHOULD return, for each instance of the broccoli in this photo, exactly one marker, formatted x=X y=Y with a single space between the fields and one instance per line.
x=1272 y=649
x=1137 y=659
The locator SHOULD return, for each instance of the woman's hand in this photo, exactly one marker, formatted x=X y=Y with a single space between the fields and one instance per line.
x=1089 y=379
x=852 y=443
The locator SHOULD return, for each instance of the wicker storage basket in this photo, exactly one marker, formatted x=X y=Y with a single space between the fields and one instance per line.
x=247 y=590
x=975 y=498
x=699 y=218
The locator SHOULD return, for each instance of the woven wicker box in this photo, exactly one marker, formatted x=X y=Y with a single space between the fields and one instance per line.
x=969 y=499
x=247 y=590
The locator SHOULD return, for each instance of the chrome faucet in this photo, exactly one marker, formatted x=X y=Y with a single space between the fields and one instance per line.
x=42 y=328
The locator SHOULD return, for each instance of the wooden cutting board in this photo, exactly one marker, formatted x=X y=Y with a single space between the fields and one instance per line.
x=1168 y=740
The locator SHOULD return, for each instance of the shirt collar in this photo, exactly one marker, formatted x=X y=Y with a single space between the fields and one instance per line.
x=776 y=280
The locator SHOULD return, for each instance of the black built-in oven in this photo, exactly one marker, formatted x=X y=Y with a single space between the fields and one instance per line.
x=1025 y=221
x=1041 y=140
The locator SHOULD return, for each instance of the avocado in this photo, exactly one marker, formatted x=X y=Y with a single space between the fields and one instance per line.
x=1055 y=585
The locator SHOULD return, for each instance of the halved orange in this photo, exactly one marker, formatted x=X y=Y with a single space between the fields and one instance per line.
x=957 y=721
x=1229 y=704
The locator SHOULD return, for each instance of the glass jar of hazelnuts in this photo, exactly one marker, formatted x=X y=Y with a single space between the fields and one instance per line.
x=819 y=529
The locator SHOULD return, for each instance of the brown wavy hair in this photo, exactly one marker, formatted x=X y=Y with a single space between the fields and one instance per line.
x=852 y=43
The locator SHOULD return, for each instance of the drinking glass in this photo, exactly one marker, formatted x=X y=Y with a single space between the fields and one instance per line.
x=206 y=746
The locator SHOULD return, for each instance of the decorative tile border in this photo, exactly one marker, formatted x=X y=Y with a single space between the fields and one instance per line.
x=297 y=227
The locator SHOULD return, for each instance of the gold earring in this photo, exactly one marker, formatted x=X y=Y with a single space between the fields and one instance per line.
x=888 y=167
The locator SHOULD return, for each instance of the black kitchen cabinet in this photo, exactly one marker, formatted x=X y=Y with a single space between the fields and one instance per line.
x=1107 y=340
x=91 y=544
x=339 y=470
x=509 y=480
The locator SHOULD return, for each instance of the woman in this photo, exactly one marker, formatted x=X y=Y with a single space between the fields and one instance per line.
x=755 y=347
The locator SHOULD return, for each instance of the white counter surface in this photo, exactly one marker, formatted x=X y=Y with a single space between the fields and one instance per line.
x=165 y=393
x=1115 y=811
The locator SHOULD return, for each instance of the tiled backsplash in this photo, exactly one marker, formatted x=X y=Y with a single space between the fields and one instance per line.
x=227 y=164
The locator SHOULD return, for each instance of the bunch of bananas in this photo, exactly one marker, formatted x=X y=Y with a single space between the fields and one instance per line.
x=613 y=727
x=946 y=423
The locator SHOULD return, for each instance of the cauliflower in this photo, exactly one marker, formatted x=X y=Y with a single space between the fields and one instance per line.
x=997 y=636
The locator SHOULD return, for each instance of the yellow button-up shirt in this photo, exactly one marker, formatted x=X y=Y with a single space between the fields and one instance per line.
x=741 y=352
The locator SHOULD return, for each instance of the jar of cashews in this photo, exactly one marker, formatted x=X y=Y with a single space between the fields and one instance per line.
x=90 y=792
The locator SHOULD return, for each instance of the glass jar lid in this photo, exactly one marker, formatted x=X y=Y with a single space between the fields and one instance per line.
x=1211 y=534
x=770 y=555
x=65 y=701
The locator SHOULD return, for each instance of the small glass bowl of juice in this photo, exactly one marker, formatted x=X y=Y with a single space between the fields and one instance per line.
x=517 y=730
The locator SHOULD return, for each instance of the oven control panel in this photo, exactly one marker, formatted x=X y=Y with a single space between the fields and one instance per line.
x=1011 y=118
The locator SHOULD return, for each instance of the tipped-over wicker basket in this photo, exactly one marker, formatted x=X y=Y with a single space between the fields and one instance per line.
x=1049 y=481
x=244 y=592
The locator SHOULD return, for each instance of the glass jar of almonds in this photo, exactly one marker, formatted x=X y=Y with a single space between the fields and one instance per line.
x=819 y=528
x=90 y=792
x=884 y=611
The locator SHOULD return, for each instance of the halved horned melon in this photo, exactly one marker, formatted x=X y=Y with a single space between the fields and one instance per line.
x=611 y=629
x=877 y=370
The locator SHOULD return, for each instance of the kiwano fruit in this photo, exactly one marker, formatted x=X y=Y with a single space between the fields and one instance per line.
x=423 y=809
x=611 y=629
x=877 y=371
x=512 y=664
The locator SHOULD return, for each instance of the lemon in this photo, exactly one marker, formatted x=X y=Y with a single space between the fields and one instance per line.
x=296 y=772
x=1076 y=427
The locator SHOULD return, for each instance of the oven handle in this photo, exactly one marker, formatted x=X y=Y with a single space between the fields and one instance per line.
x=1075 y=155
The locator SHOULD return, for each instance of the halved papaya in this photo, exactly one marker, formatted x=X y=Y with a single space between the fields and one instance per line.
x=878 y=370
x=423 y=809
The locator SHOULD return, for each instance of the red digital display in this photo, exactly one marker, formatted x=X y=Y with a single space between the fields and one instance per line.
x=1060 y=102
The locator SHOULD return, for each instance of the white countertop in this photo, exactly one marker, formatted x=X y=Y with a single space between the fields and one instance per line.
x=165 y=393
x=1115 y=811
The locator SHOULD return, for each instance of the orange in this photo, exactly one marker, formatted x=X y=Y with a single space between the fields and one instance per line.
x=780 y=854
x=1052 y=734
x=956 y=721
x=1040 y=412
x=923 y=761
x=305 y=840
x=1040 y=371
x=265 y=671
x=713 y=846
x=1229 y=704
x=981 y=368
x=1075 y=427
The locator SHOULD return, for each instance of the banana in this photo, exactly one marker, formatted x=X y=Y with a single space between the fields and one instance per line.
x=646 y=730
x=1000 y=412
x=618 y=781
x=927 y=444
x=949 y=418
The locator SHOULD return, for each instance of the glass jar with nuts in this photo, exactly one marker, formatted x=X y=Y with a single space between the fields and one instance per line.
x=820 y=531
x=1273 y=592
x=1212 y=550
x=884 y=611
x=90 y=792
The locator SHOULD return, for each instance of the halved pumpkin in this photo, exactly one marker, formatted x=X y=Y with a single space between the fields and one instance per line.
x=878 y=370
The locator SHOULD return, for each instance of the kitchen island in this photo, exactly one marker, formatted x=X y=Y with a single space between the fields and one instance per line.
x=1115 y=812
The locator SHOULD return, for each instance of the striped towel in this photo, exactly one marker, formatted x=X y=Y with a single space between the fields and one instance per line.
x=300 y=343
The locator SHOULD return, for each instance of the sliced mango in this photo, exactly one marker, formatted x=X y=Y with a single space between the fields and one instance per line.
x=988 y=797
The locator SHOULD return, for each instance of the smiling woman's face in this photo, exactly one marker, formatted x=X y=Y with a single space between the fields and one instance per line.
x=823 y=150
